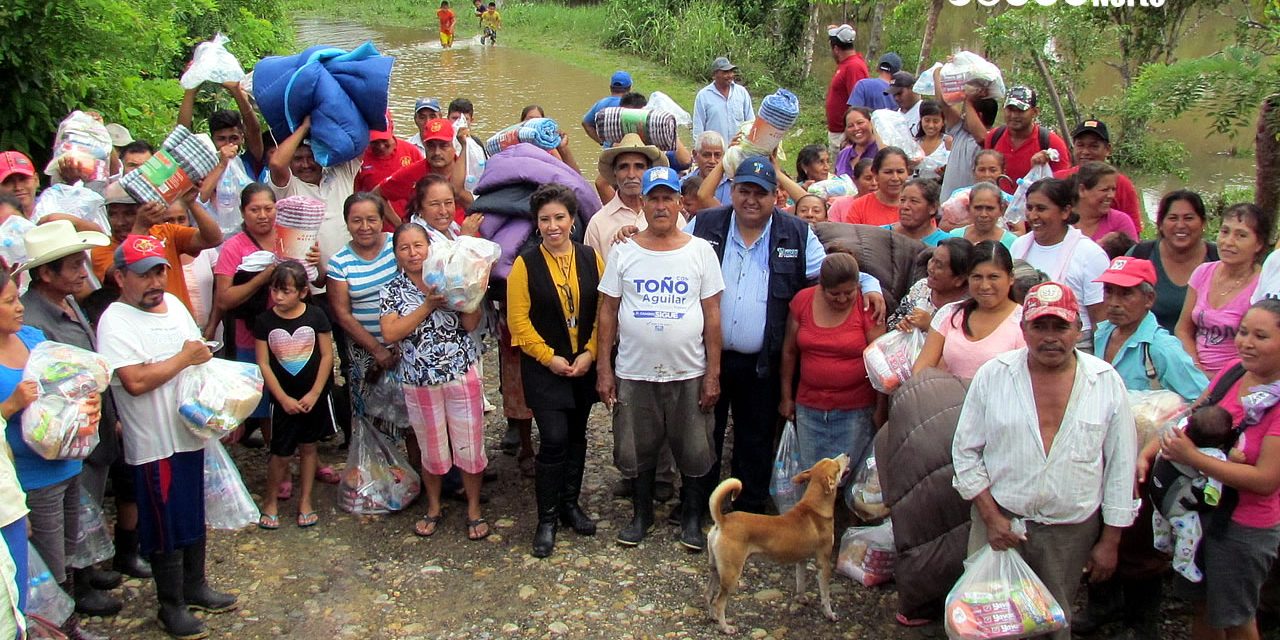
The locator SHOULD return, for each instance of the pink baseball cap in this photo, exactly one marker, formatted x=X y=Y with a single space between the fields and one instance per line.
x=12 y=162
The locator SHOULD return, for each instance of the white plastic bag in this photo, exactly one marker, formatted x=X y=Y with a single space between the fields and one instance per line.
x=78 y=201
x=58 y=426
x=215 y=397
x=459 y=270
x=228 y=504
x=867 y=554
x=833 y=187
x=226 y=200
x=894 y=131
x=44 y=597
x=93 y=543
x=864 y=496
x=1154 y=411
x=82 y=139
x=12 y=247
x=659 y=101
x=786 y=466
x=999 y=596
x=378 y=479
x=965 y=68
x=955 y=211
x=889 y=358
x=211 y=62
x=1017 y=211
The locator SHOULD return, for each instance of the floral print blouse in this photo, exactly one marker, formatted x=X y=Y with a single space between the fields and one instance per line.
x=438 y=350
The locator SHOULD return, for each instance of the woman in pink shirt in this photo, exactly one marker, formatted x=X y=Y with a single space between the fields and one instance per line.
x=1242 y=533
x=965 y=335
x=1095 y=191
x=827 y=331
x=1218 y=293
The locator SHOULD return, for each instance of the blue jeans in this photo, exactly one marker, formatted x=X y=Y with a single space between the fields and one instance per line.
x=827 y=434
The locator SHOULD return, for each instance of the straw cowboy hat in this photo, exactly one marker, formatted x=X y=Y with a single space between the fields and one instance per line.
x=630 y=143
x=58 y=239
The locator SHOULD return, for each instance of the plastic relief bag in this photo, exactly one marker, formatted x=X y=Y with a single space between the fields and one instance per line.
x=955 y=211
x=964 y=68
x=894 y=131
x=78 y=201
x=12 y=247
x=93 y=543
x=378 y=479
x=786 y=465
x=889 y=358
x=228 y=504
x=211 y=62
x=44 y=597
x=659 y=101
x=1154 y=411
x=384 y=399
x=218 y=395
x=82 y=140
x=999 y=596
x=1017 y=211
x=226 y=200
x=58 y=425
x=864 y=496
x=459 y=270
x=867 y=554
x=833 y=187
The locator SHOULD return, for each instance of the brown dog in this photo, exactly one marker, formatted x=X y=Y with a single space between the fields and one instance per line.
x=805 y=531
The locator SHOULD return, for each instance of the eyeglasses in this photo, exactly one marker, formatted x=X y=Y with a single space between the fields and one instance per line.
x=572 y=318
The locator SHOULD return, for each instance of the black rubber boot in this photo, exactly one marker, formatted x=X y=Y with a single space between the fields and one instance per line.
x=195 y=588
x=691 y=535
x=90 y=601
x=571 y=513
x=127 y=560
x=1105 y=605
x=641 y=510
x=101 y=579
x=74 y=631
x=548 y=481
x=174 y=618
x=1142 y=607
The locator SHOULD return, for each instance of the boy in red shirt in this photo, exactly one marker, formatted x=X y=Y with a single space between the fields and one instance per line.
x=447 y=20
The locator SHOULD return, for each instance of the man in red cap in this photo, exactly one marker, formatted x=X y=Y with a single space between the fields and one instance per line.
x=385 y=155
x=1046 y=438
x=442 y=160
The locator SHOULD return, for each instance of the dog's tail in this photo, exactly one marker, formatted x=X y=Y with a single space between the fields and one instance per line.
x=730 y=487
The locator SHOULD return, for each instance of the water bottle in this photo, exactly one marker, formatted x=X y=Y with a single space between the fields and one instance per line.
x=226 y=196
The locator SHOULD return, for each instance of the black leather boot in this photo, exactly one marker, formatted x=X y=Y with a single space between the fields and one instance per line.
x=641 y=510
x=174 y=618
x=571 y=513
x=101 y=579
x=548 y=481
x=1105 y=605
x=195 y=588
x=691 y=535
x=127 y=560
x=91 y=601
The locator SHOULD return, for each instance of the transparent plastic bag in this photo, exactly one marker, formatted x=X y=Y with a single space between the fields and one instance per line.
x=786 y=465
x=964 y=68
x=81 y=202
x=955 y=211
x=889 y=358
x=93 y=543
x=226 y=198
x=211 y=62
x=1017 y=211
x=12 y=247
x=58 y=425
x=999 y=596
x=864 y=496
x=84 y=141
x=378 y=479
x=459 y=270
x=867 y=554
x=833 y=187
x=218 y=395
x=1155 y=411
x=44 y=597
x=384 y=400
x=228 y=505
x=895 y=131
x=659 y=101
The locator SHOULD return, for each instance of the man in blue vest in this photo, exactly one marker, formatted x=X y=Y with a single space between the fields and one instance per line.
x=766 y=257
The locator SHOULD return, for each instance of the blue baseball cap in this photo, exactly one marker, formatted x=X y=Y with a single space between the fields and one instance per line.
x=620 y=80
x=659 y=177
x=426 y=103
x=756 y=170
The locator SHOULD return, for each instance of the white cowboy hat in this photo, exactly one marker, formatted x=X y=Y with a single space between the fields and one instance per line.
x=58 y=239
x=630 y=143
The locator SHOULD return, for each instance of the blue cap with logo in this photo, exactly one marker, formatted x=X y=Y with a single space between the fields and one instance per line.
x=620 y=80
x=426 y=103
x=756 y=170
x=660 y=177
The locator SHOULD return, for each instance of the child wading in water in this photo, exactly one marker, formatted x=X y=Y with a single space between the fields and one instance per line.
x=491 y=21
x=295 y=353
x=447 y=20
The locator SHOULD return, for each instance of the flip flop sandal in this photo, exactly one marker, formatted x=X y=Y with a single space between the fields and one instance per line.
x=428 y=521
x=911 y=622
x=327 y=475
x=286 y=490
x=308 y=519
x=472 y=524
x=269 y=522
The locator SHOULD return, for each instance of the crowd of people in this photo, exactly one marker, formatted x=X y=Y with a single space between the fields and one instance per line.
x=699 y=300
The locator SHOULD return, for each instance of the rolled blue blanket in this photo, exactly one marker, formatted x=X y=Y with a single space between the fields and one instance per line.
x=542 y=132
x=780 y=109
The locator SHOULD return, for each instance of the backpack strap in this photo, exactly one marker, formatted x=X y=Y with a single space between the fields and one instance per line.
x=1219 y=390
x=1044 y=137
x=996 y=134
x=1149 y=366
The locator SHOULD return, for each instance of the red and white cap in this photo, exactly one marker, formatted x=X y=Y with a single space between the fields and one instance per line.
x=1050 y=298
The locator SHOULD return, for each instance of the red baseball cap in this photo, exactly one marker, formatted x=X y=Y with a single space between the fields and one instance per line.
x=12 y=162
x=437 y=129
x=1050 y=298
x=140 y=253
x=1128 y=272
x=388 y=134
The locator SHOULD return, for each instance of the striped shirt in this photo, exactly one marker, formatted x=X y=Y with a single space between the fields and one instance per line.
x=365 y=280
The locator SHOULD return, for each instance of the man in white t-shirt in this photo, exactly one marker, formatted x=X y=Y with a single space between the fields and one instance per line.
x=149 y=338
x=661 y=300
x=294 y=172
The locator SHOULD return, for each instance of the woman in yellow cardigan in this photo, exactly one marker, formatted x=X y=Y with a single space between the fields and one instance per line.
x=551 y=309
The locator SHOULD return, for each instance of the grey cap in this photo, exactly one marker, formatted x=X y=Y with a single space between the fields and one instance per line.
x=722 y=64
